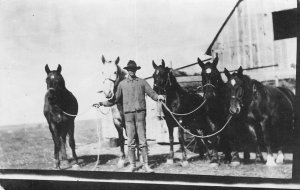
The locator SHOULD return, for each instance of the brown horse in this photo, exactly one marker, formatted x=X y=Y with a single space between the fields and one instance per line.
x=269 y=108
x=58 y=102
x=180 y=101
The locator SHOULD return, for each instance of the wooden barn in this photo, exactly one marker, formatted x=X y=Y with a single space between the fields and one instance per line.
x=245 y=39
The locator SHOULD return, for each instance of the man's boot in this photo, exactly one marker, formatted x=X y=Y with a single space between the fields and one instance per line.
x=131 y=158
x=145 y=160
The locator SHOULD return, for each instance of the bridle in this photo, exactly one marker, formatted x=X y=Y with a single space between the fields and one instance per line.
x=208 y=84
x=114 y=82
x=164 y=88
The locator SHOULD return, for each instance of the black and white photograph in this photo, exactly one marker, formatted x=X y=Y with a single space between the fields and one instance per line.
x=184 y=88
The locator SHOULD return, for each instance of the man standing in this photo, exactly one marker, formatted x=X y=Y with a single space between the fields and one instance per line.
x=131 y=93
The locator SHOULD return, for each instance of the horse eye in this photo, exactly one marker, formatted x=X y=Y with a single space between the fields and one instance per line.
x=115 y=72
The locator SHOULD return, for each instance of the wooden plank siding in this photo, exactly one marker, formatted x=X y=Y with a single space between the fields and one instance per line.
x=248 y=41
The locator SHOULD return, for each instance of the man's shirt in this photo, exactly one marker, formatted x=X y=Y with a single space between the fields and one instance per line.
x=131 y=93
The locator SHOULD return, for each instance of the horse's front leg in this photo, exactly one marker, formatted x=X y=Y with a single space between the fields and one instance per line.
x=56 y=142
x=264 y=126
x=170 y=158
x=256 y=138
x=214 y=142
x=119 y=127
x=184 y=161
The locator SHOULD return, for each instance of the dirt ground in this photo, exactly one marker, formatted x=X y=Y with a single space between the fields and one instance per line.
x=31 y=147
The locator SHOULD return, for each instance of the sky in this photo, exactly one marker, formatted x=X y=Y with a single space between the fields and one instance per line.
x=76 y=33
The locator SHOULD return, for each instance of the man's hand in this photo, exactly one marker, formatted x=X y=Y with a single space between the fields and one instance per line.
x=160 y=98
x=97 y=105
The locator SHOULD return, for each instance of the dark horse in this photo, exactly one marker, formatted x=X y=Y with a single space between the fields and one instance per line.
x=59 y=108
x=179 y=101
x=214 y=89
x=269 y=110
x=243 y=131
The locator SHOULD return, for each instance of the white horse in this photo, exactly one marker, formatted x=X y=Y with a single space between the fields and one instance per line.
x=112 y=76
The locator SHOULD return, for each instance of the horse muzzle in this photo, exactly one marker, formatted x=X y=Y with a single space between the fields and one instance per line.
x=234 y=110
x=109 y=95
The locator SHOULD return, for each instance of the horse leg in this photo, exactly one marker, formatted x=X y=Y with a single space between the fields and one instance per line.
x=56 y=142
x=170 y=158
x=72 y=141
x=214 y=141
x=224 y=145
x=234 y=146
x=184 y=161
x=264 y=127
x=63 y=153
x=118 y=124
x=280 y=157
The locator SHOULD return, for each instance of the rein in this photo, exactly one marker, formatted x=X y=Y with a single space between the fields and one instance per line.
x=183 y=114
x=198 y=136
x=164 y=90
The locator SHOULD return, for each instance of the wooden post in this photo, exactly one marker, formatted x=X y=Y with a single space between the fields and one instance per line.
x=286 y=25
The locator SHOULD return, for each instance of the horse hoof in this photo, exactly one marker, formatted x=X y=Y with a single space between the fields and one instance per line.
x=271 y=164
x=121 y=163
x=170 y=161
x=280 y=159
x=270 y=161
x=213 y=165
x=235 y=163
x=185 y=164
x=76 y=166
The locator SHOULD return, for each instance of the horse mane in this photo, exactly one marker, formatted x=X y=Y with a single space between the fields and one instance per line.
x=247 y=86
x=121 y=75
x=174 y=82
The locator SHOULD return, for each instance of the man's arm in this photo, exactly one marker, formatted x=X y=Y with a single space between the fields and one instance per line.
x=115 y=100
x=150 y=92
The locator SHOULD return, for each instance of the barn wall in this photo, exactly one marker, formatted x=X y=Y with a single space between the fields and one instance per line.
x=248 y=41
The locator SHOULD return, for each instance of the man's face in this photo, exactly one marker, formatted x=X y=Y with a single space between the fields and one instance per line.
x=132 y=72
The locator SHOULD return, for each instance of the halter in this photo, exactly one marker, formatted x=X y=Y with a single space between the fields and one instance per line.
x=238 y=99
x=164 y=89
x=209 y=84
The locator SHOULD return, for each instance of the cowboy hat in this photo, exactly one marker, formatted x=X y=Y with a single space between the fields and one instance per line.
x=132 y=65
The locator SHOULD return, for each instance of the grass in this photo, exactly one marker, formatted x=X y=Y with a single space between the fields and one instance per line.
x=31 y=147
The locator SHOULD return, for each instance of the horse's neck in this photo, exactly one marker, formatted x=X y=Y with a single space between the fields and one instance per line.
x=247 y=98
x=221 y=90
x=121 y=76
x=174 y=92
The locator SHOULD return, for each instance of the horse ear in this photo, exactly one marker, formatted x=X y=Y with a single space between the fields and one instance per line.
x=154 y=65
x=58 y=68
x=216 y=60
x=103 y=59
x=47 y=69
x=200 y=62
x=117 y=60
x=163 y=63
x=226 y=72
x=240 y=70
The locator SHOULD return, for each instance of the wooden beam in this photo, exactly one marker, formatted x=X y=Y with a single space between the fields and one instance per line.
x=208 y=51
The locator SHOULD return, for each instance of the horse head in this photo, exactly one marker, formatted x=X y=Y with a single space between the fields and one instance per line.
x=55 y=82
x=112 y=75
x=211 y=78
x=162 y=78
x=237 y=90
